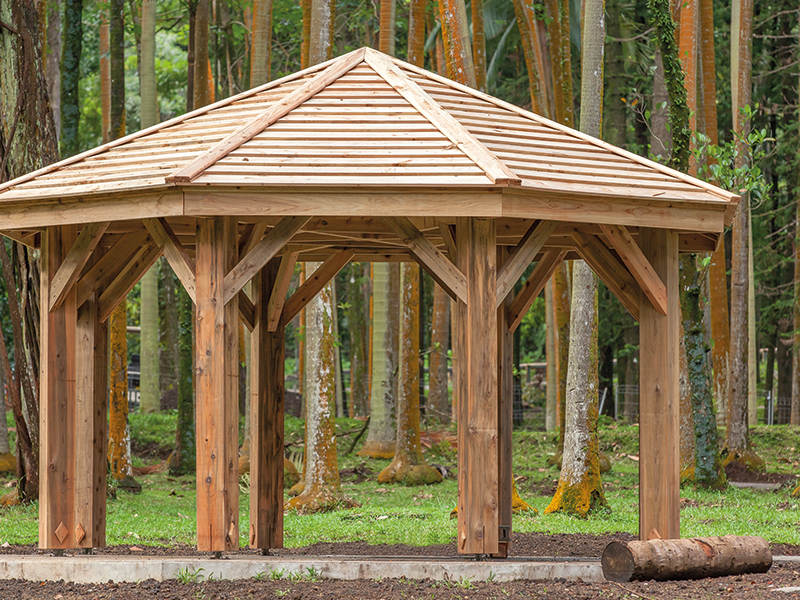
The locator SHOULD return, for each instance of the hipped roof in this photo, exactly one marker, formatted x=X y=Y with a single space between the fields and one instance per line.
x=381 y=136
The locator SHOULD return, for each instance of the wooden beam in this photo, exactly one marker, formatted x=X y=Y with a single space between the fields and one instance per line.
x=110 y=265
x=57 y=429
x=613 y=273
x=251 y=236
x=638 y=265
x=261 y=254
x=277 y=110
x=91 y=410
x=449 y=240
x=70 y=270
x=176 y=255
x=533 y=286
x=494 y=168
x=217 y=389
x=476 y=349
x=522 y=256
x=505 y=420
x=659 y=397
x=443 y=271
x=314 y=283
x=277 y=298
x=247 y=311
x=127 y=278
x=266 y=415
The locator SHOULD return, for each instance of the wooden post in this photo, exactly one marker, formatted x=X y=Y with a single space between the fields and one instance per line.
x=266 y=418
x=478 y=485
x=659 y=476
x=91 y=418
x=57 y=399
x=217 y=388
x=505 y=416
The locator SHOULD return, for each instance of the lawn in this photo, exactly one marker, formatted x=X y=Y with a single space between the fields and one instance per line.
x=164 y=512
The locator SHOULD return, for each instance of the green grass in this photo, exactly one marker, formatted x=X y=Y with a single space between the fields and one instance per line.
x=164 y=512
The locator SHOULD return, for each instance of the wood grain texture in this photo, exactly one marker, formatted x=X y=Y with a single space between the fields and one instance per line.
x=659 y=477
x=478 y=482
x=314 y=283
x=266 y=415
x=443 y=271
x=524 y=253
x=505 y=413
x=533 y=286
x=217 y=388
x=128 y=277
x=57 y=399
x=637 y=264
x=613 y=273
x=110 y=264
x=177 y=257
x=70 y=270
x=277 y=297
x=91 y=420
x=262 y=252
x=247 y=311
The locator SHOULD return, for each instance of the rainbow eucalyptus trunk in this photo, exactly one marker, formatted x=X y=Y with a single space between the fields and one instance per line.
x=408 y=465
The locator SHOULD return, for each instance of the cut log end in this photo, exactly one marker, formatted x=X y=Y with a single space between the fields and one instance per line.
x=695 y=558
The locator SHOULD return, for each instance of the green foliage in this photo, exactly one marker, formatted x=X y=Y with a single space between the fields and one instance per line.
x=190 y=575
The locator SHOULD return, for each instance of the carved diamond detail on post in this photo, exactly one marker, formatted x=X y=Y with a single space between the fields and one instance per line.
x=61 y=532
x=233 y=533
x=80 y=533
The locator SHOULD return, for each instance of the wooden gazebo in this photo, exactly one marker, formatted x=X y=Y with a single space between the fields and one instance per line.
x=362 y=158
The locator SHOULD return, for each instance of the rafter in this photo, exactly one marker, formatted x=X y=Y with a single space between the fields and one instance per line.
x=315 y=282
x=543 y=270
x=127 y=278
x=112 y=262
x=430 y=258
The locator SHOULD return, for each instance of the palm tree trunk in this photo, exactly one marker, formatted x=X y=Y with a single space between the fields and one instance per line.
x=416 y=32
x=261 y=45
x=386 y=33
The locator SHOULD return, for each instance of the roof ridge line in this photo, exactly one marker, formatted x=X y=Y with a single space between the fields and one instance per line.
x=492 y=166
x=717 y=191
x=192 y=170
x=159 y=126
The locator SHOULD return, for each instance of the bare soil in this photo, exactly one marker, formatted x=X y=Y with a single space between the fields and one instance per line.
x=747 y=587
x=738 y=472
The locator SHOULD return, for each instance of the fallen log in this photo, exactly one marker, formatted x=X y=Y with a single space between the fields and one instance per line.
x=693 y=558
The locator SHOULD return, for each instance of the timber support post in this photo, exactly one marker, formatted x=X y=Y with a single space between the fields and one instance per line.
x=478 y=482
x=72 y=415
x=659 y=476
x=217 y=388
x=266 y=417
x=505 y=417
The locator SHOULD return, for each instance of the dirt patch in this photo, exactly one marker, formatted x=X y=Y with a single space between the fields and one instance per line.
x=738 y=472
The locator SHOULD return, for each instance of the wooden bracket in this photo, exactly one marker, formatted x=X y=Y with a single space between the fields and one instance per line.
x=278 y=297
x=613 y=273
x=430 y=258
x=522 y=256
x=314 y=283
x=252 y=234
x=449 y=240
x=175 y=254
x=263 y=251
x=127 y=278
x=533 y=286
x=110 y=265
x=638 y=265
x=247 y=311
x=70 y=270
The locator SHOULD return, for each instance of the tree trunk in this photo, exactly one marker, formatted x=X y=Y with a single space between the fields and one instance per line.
x=783 y=357
x=119 y=436
x=381 y=439
x=438 y=401
x=357 y=324
x=455 y=34
x=71 y=46
x=8 y=463
x=201 y=80
x=408 y=465
x=478 y=45
x=660 y=137
x=795 y=414
x=387 y=26
x=169 y=336
x=694 y=558
x=322 y=489
x=615 y=118
x=261 y=44
x=27 y=142
x=305 y=43
x=534 y=60
x=53 y=60
x=551 y=406
x=183 y=458
x=323 y=15
x=417 y=13
x=563 y=301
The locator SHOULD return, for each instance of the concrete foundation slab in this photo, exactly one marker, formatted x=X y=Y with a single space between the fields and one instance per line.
x=101 y=569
